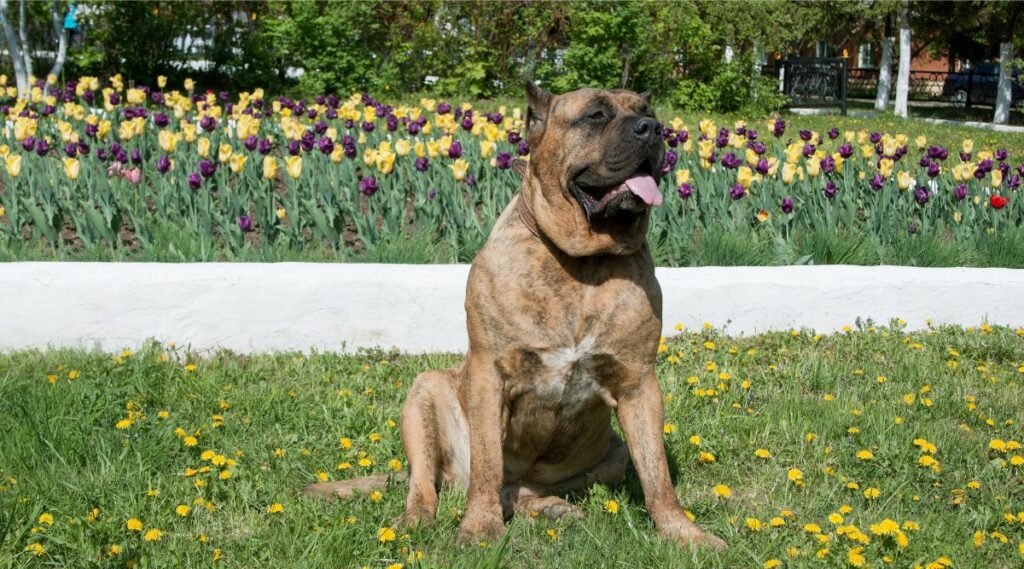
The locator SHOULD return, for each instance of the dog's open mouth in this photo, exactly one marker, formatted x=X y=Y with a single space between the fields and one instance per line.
x=636 y=192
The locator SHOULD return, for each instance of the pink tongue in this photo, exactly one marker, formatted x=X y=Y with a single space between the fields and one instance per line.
x=645 y=187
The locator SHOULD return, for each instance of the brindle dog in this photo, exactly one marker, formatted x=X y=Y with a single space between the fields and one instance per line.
x=564 y=316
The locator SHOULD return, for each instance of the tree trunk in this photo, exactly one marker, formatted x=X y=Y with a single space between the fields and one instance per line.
x=20 y=76
x=62 y=39
x=884 y=76
x=903 y=78
x=26 y=53
x=1004 y=89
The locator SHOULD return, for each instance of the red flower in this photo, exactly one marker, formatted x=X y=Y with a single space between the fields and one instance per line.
x=998 y=202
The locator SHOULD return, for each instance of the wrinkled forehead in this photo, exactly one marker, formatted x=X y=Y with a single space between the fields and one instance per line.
x=581 y=101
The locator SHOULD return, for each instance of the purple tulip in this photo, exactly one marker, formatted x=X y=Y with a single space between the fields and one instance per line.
x=207 y=168
x=805 y=135
x=737 y=192
x=523 y=148
x=730 y=161
x=432 y=193
x=83 y=148
x=444 y=109
x=762 y=167
x=294 y=148
x=161 y=120
x=368 y=126
x=1002 y=154
x=422 y=164
x=195 y=180
x=682 y=136
x=833 y=133
x=922 y=195
x=685 y=190
x=779 y=128
x=787 y=206
x=136 y=157
x=503 y=160
x=101 y=154
x=830 y=189
x=28 y=144
x=368 y=186
x=467 y=123
x=1013 y=182
x=960 y=192
x=911 y=228
x=413 y=129
x=828 y=164
x=846 y=150
x=513 y=137
x=470 y=180
x=758 y=147
x=455 y=150
x=245 y=223
x=42 y=147
x=349 y=124
x=965 y=156
x=91 y=130
x=251 y=142
x=875 y=137
x=809 y=150
x=670 y=158
x=114 y=99
x=924 y=161
x=979 y=173
x=938 y=153
x=934 y=170
x=71 y=150
x=265 y=146
x=163 y=164
x=208 y=123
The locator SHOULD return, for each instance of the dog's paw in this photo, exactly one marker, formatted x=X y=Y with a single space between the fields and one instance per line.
x=563 y=509
x=696 y=537
x=416 y=517
x=477 y=529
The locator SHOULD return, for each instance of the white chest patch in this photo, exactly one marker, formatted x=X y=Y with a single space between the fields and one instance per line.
x=568 y=377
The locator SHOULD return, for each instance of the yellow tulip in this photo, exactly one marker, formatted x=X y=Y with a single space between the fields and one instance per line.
x=752 y=157
x=13 y=164
x=269 y=168
x=789 y=173
x=71 y=168
x=420 y=149
x=135 y=96
x=889 y=145
x=370 y=156
x=2 y=211
x=708 y=128
x=813 y=167
x=224 y=153
x=294 y=164
x=885 y=167
x=433 y=148
x=161 y=81
x=705 y=148
x=839 y=162
x=4 y=150
x=867 y=151
x=968 y=145
x=338 y=153
x=486 y=148
x=997 y=178
x=793 y=153
x=745 y=176
x=904 y=180
x=281 y=213
x=24 y=127
x=125 y=131
x=426 y=129
x=203 y=148
x=921 y=141
x=459 y=169
x=189 y=130
x=682 y=176
x=190 y=85
x=167 y=140
x=385 y=162
x=237 y=162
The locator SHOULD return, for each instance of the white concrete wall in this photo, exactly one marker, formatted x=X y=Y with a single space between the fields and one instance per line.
x=419 y=308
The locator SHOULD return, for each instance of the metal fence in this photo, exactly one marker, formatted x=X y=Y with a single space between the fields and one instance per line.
x=961 y=89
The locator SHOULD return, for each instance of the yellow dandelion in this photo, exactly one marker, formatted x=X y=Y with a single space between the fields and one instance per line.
x=611 y=506
x=386 y=534
x=134 y=524
x=275 y=508
x=153 y=535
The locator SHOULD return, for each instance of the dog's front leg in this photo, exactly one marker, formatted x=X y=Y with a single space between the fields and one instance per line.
x=641 y=415
x=483 y=520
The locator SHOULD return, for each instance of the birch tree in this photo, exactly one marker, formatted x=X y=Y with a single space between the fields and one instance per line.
x=1009 y=16
x=20 y=49
x=884 y=75
x=903 y=76
x=14 y=49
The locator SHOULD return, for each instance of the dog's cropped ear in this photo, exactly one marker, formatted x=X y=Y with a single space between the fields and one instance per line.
x=538 y=101
x=646 y=96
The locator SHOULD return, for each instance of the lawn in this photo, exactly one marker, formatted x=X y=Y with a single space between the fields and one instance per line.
x=868 y=447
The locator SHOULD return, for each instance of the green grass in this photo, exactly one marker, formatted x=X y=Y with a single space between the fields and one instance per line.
x=63 y=456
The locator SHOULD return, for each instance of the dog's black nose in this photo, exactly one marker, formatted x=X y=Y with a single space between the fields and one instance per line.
x=646 y=128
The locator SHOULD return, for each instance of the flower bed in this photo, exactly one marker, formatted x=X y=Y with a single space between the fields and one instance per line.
x=104 y=166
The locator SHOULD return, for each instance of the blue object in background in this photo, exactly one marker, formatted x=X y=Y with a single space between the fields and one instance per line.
x=69 y=20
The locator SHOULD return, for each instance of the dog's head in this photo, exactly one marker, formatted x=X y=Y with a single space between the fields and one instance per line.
x=595 y=162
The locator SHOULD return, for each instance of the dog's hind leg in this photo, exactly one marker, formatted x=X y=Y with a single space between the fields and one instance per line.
x=436 y=441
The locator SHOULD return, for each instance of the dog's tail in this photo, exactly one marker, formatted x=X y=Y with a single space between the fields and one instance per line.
x=343 y=489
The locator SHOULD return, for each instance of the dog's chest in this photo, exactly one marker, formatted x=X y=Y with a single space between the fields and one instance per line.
x=567 y=377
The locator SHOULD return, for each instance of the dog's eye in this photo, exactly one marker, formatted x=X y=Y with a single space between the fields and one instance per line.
x=597 y=116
